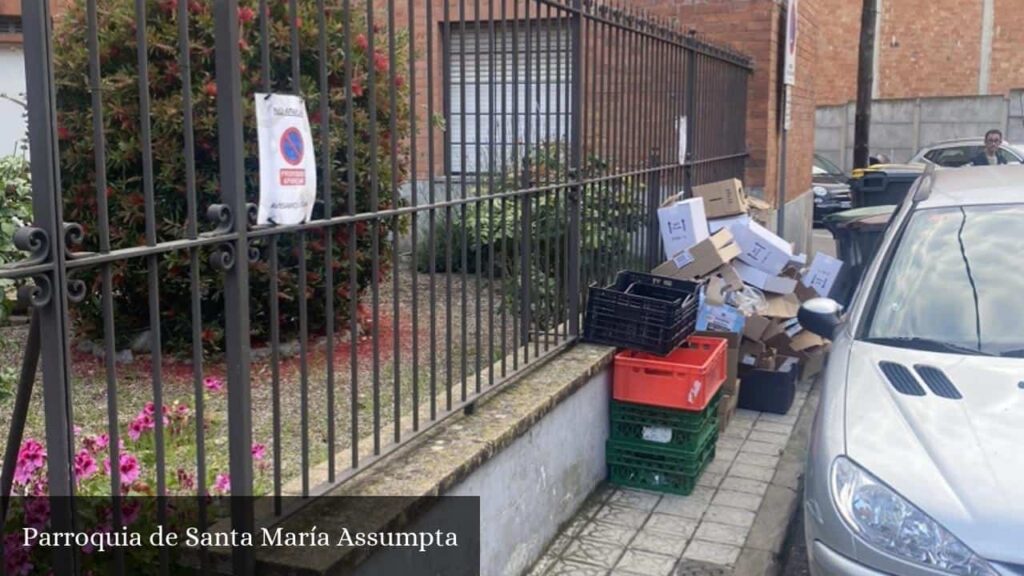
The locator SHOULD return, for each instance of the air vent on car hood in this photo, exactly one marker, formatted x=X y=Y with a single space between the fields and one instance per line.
x=938 y=382
x=901 y=378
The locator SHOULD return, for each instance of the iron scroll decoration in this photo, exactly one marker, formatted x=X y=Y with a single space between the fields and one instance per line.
x=223 y=257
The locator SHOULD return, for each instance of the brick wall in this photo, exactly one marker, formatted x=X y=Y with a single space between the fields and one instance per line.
x=923 y=51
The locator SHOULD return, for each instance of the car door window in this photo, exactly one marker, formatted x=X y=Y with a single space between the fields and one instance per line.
x=954 y=156
x=1007 y=156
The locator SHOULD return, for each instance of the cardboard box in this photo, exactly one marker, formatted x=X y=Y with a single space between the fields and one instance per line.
x=719 y=318
x=781 y=332
x=682 y=224
x=782 y=306
x=731 y=281
x=763 y=280
x=723 y=198
x=702 y=259
x=751 y=351
x=732 y=221
x=755 y=326
x=822 y=274
x=762 y=249
x=731 y=384
x=814 y=364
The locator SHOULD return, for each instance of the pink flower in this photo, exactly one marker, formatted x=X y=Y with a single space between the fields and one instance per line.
x=31 y=457
x=141 y=424
x=380 y=63
x=222 y=484
x=129 y=469
x=130 y=511
x=37 y=512
x=186 y=480
x=362 y=42
x=213 y=384
x=78 y=430
x=85 y=466
x=258 y=451
x=149 y=409
x=95 y=444
x=246 y=14
x=17 y=561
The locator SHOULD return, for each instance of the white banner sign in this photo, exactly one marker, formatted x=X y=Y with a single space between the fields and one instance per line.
x=287 y=163
x=792 y=25
x=681 y=127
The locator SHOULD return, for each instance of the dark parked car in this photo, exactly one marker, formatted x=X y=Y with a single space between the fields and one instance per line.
x=831 y=191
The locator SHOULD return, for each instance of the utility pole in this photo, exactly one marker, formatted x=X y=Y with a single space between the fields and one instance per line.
x=865 y=78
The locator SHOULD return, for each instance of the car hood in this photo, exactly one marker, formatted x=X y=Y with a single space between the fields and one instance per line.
x=960 y=461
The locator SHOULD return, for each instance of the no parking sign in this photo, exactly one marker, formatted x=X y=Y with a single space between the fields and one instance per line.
x=287 y=163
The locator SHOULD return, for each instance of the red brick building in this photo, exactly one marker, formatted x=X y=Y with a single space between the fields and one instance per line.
x=922 y=50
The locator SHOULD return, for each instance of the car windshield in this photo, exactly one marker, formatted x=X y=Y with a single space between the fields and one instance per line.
x=955 y=282
x=823 y=165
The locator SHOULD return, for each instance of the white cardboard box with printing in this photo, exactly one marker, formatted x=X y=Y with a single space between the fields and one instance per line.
x=760 y=279
x=682 y=224
x=761 y=248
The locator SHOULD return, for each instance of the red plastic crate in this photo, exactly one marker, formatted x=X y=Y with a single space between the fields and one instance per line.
x=686 y=379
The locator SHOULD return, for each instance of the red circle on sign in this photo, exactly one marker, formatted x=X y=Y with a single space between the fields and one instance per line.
x=292 y=146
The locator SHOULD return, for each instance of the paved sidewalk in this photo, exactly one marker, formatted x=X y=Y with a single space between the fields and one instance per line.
x=711 y=531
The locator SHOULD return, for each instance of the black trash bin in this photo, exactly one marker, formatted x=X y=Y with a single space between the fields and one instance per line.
x=857 y=233
x=883 y=184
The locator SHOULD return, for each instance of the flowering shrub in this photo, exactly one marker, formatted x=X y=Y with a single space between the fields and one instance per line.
x=136 y=467
x=15 y=212
x=125 y=187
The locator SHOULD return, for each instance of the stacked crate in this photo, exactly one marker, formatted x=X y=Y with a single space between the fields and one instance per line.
x=664 y=416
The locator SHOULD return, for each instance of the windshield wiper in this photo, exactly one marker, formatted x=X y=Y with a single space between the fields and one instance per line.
x=927 y=344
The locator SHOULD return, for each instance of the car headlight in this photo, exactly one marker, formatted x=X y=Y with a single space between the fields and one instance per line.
x=886 y=520
x=820 y=191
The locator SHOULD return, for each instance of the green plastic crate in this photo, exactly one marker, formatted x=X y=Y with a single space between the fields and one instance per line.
x=657 y=468
x=663 y=427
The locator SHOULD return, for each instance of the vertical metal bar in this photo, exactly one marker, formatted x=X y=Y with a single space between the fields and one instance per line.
x=45 y=168
x=414 y=177
x=534 y=248
x=326 y=188
x=691 y=122
x=353 y=283
x=395 y=268
x=185 y=65
x=576 y=166
x=463 y=350
x=556 y=174
x=517 y=303
x=431 y=192
x=374 y=227
x=609 y=105
x=491 y=166
x=22 y=399
x=478 y=351
x=230 y=121
x=449 y=152
x=651 y=214
x=504 y=122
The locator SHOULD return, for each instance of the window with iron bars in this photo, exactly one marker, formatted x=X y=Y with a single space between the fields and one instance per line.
x=492 y=117
x=10 y=24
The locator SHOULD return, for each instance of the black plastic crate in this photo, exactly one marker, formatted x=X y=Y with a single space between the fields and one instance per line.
x=641 y=312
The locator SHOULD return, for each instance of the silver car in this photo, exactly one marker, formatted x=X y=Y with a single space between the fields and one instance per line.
x=960 y=152
x=916 y=460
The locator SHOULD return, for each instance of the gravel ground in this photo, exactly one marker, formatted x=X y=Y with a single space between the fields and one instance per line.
x=134 y=381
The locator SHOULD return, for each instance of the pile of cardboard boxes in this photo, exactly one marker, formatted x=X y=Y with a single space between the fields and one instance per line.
x=754 y=284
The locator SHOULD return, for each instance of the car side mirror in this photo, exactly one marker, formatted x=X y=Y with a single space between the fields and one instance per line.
x=821 y=316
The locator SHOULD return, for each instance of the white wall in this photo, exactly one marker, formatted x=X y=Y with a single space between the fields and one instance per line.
x=12 y=83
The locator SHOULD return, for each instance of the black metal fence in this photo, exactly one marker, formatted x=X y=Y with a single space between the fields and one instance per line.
x=480 y=162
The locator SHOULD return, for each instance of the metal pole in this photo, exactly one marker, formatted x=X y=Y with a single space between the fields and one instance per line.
x=575 y=168
x=691 y=120
x=653 y=201
x=236 y=283
x=51 y=296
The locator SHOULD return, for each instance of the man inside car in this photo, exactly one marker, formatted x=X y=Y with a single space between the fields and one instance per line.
x=990 y=156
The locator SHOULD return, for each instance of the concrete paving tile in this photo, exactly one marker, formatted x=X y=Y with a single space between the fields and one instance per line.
x=718 y=466
x=763 y=460
x=660 y=542
x=743 y=414
x=759 y=473
x=721 y=533
x=725 y=454
x=602 y=554
x=754 y=562
x=721 y=554
x=685 y=506
x=646 y=563
x=733 y=432
x=729 y=442
x=754 y=447
x=571 y=568
x=772 y=438
x=774 y=427
x=606 y=532
x=730 y=516
x=637 y=499
x=546 y=562
x=710 y=480
x=621 y=515
x=671 y=524
x=788 y=418
x=740 y=500
x=738 y=484
x=688 y=567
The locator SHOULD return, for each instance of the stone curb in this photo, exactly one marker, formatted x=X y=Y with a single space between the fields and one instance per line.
x=760 y=555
